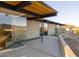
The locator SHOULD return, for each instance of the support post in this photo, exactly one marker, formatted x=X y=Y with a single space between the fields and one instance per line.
x=41 y=35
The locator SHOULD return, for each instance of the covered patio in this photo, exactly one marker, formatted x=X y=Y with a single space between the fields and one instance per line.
x=34 y=48
x=32 y=11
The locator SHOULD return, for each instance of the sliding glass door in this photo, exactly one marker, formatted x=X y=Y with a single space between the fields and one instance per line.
x=12 y=28
x=5 y=34
x=19 y=25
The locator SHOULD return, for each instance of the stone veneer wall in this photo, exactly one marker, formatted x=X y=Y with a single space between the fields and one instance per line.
x=33 y=29
x=51 y=29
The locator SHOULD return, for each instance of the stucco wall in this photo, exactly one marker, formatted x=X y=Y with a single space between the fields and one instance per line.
x=51 y=29
x=33 y=29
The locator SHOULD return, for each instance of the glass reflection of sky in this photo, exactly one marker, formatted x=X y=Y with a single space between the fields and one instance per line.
x=13 y=20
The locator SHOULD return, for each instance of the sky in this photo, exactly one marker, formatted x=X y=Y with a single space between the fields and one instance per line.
x=68 y=12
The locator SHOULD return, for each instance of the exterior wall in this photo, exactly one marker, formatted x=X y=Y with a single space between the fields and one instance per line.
x=33 y=29
x=51 y=29
x=61 y=29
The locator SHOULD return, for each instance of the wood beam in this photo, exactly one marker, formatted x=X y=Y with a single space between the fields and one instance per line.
x=7 y=6
x=37 y=16
x=22 y=4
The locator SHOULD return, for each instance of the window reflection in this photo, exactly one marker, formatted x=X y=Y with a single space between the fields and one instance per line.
x=12 y=28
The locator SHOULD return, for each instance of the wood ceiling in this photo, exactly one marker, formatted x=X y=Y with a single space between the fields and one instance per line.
x=29 y=9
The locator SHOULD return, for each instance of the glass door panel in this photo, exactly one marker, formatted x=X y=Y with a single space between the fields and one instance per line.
x=19 y=28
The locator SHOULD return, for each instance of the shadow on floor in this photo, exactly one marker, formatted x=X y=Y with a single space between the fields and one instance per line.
x=17 y=44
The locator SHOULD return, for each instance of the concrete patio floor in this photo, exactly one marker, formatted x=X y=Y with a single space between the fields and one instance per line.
x=34 y=48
